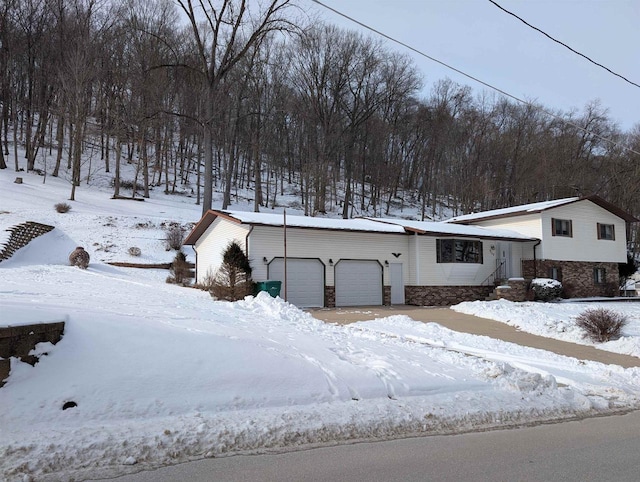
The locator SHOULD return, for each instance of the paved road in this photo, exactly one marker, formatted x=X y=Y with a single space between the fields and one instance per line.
x=476 y=326
x=597 y=449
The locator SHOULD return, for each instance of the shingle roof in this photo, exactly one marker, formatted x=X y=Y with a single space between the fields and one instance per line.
x=539 y=207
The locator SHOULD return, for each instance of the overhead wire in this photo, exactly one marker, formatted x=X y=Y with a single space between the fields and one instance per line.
x=564 y=44
x=475 y=79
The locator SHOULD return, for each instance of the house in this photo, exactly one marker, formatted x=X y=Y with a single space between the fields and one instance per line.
x=581 y=241
x=369 y=261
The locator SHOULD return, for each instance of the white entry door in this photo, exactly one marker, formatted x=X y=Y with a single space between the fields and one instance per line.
x=305 y=281
x=397 y=284
x=503 y=260
x=358 y=283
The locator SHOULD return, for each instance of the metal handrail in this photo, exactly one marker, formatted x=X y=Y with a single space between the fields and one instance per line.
x=492 y=277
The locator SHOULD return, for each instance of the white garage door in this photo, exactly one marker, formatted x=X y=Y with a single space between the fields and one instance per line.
x=305 y=279
x=358 y=283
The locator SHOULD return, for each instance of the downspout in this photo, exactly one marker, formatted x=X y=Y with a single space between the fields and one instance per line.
x=535 y=263
x=246 y=242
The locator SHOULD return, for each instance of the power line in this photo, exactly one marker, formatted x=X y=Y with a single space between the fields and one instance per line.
x=475 y=79
x=564 y=44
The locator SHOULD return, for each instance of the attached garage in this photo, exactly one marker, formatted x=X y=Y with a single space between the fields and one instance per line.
x=305 y=277
x=358 y=283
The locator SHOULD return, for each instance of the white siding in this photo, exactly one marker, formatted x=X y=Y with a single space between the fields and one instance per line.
x=528 y=224
x=268 y=242
x=211 y=245
x=433 y=273
x=584 y=245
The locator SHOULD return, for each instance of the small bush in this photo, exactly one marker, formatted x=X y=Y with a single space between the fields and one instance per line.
x=128 y=184
x=62 y=208
x=135 y=251
x=601 y=324
x=207 y=283
x=174 y=237
x=179 y=270
x=546 y=289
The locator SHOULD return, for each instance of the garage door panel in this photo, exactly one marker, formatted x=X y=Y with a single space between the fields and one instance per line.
x=358 y=283
x=305 y=281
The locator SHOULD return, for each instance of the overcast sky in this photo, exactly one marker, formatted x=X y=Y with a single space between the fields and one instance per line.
x=480 y=39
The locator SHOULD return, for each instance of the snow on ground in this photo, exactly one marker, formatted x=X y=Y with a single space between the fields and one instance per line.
x=557 y=320
x=163 y=374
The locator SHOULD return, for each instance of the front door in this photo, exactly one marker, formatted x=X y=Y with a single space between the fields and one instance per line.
x=503 y=260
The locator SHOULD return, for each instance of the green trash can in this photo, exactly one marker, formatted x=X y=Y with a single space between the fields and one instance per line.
x=271 y=287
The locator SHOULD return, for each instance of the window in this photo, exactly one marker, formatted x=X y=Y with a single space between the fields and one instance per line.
x=599 y=276
x=606 y=231
x=555 y=273
x=459 y=251
x=561 y=227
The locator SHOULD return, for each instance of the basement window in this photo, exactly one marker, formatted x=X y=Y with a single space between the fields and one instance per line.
x=599 y=276
x=555 y=273
x=458 y=251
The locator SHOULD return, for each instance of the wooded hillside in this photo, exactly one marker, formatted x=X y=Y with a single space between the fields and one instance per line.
x=269 y=100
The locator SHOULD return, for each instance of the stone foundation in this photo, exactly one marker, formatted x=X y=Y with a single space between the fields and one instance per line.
x=515 y=289
x=386 y=295
x=577 y=276
x=444 y=295
x=330 y=296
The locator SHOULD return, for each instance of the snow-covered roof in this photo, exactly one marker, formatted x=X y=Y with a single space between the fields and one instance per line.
x=371 y=225
x=538 y=207
x=269 y=219
x=448 y=229
x=514 y=210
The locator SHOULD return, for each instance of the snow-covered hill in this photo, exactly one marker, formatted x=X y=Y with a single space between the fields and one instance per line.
x=163 y=374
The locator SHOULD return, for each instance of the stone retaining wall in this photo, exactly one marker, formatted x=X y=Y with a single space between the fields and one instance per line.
x=515 y=289
x=18 y=341
x=20 y=236
x=444 y=295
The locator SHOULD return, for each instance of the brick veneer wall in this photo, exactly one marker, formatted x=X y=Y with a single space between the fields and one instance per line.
x=330 y=296
x=444 y=295
x=515 y=289
x=577 y=276
x=386 y=295
x=20 y=236
x=18 y=341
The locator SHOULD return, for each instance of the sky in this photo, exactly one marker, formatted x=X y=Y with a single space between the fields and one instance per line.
x=478 y=38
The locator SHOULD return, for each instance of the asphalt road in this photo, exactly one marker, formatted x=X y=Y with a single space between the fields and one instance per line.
x=596 y=449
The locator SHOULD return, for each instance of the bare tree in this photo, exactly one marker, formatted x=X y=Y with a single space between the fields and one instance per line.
x=231 y=28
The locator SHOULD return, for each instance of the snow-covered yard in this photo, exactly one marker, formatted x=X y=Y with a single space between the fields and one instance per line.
x=557 y=320
x=162 y=374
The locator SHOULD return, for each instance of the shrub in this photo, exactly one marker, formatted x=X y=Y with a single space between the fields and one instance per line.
x=546 y=289
x=233 y=280
x=62 y=208
x=174 y=237
x=179 y=270
x=128 y=184
x=135 y=251
x=601 y=324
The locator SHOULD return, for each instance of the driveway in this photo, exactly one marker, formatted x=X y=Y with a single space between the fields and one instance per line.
x=475 y=326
